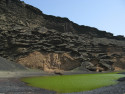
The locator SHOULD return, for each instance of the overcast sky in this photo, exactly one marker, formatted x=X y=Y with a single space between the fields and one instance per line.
x=108 y=15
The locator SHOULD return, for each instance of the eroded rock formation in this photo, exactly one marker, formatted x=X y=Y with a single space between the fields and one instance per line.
x=36 y=40
x=49 y=61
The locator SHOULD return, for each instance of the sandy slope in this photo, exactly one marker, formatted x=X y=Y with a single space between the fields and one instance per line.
x=6 y=65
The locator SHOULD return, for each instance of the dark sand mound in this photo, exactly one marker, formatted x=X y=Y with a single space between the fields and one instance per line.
x=6 y=65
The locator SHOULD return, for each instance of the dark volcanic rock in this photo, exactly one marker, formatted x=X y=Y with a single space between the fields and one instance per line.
x=24 y=30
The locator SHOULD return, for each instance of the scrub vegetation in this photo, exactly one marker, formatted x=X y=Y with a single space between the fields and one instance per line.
x=73 y=83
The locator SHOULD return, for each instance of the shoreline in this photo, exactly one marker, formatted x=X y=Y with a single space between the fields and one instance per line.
x=20 y=74
x=30 y=73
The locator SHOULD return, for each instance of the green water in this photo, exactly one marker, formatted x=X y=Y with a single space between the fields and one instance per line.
x=73 y=83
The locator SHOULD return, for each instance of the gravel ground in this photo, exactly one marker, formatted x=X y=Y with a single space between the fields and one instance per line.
x=14 y=86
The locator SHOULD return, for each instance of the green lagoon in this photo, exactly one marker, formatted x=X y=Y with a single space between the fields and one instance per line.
x=73 y=83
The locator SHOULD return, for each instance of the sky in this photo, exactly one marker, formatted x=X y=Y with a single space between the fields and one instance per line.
x=106 y=15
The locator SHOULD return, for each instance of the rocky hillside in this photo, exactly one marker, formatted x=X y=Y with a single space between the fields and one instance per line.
x=51 y=43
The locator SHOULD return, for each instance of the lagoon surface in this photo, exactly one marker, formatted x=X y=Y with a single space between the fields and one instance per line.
x=73 y=83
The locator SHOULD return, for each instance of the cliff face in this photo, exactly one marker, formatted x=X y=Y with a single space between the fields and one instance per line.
x=36 y=40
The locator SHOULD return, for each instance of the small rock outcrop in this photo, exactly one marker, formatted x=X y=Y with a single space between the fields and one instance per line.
x=36 y=40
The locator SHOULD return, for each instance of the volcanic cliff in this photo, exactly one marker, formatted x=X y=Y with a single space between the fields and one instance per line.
x=36 y=40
